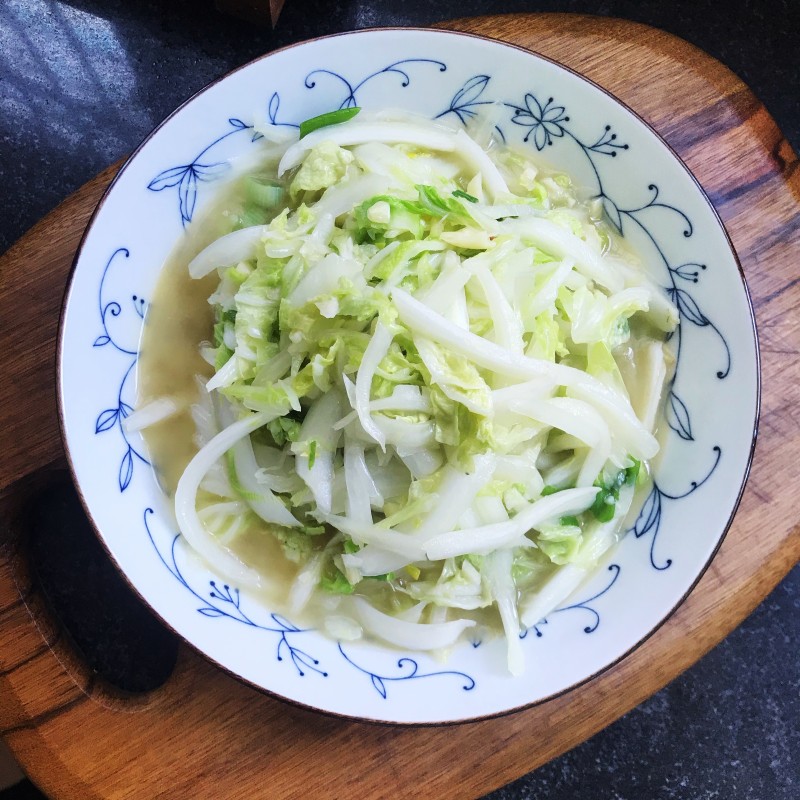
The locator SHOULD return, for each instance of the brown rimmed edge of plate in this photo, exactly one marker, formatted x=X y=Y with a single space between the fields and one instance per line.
x=297 y=703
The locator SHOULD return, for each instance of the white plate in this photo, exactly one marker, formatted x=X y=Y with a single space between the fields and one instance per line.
x=577 y=127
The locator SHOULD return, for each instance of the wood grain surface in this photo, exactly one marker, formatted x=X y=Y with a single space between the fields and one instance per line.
x=205 y=735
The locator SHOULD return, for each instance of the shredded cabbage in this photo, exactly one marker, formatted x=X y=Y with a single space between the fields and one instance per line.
x=437 y=380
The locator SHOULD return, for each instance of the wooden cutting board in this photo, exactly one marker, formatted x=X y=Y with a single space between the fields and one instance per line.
x=203 y=734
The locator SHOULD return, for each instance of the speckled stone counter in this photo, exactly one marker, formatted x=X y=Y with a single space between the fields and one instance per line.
x=82 y=81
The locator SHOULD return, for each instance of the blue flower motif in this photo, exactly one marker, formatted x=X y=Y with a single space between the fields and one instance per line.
x=543 y=121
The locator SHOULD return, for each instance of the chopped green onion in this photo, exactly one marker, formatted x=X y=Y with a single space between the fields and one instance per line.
x=604 y=505
x=312 y=453
x=266 y=194
x=465 y=196
x=571 y=520
x=313 y=530
x=329 y=118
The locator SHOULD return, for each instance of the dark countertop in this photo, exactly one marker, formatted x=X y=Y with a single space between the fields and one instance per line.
x=83 y=81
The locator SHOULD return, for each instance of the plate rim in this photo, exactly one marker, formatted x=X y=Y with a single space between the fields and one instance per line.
x=271 y=692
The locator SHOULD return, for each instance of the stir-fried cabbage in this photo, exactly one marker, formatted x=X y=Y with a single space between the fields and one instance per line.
x=436 y=377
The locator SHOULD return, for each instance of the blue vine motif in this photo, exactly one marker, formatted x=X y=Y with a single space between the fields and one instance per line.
x=115 y=417
x=536 y=629
x=186 y=177
x=583 y=605
x=467 y=99
x=409 y=670
x=649 y=518
x=615 y=569
x=606 y=144
x=224 y=602
x=396 y=68
x=273 y=107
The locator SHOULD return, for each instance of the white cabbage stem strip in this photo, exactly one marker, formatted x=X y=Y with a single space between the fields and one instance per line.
x=341 y=198
x=537 y=389
x=360 y=487
x=353 y=133
x=507 y=327
x=323 y=278
x=318 y=427
x=376 y=351
x=564 y=473
x=457 y=491
x=406 y=435
x=546 y=296
x=567 y=579
x=626 y=428
x=403 y=398
x=595 y=459
x=305 y=583
x=379 y=257
x=552 y=594
x=258 y=497
x=323 y=229
x=193 y=530
x=564 y=244
x=225 y=375
x=226 y=508
x=650 y=361
x=483 y=540
x=571 y=416
x=372 y=560
x=423 y=321
x=389 y=540
x=421 y=462
x=476 y=157
x=275 y=369
x=458 y=313
x=497 y=569
x=227 y=250
x=450 y=280
x=411 y=635
x=150 y=414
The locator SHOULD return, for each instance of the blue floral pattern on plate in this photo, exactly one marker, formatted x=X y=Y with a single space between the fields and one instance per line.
x=546 y=122
x=527 y=112
x=114 y=417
